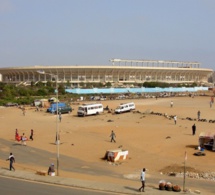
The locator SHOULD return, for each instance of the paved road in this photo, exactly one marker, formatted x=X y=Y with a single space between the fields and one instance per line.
x=21 y=187
x=29 y=155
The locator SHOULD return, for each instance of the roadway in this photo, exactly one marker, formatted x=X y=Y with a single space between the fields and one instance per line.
x=20 y=187
x=24 y=156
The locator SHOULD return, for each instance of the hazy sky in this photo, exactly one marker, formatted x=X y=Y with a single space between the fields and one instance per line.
x=90 y=32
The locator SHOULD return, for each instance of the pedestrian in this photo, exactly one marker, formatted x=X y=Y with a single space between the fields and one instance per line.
x=171 y=104
x=175 y=119
x=51 y=170
x=57 y=140
x=113 y=136
x=17 y=137
x=23 y=139
x=211 y=103
x=194 y=129
x=142 y=179
x=11 y=158
x=16 y=134
x=32 y=134
x=198 y=114
x=60 y=116
x=23 y=111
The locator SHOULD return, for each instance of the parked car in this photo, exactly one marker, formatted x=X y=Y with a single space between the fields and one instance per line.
x=10 y=104
x=63 y=110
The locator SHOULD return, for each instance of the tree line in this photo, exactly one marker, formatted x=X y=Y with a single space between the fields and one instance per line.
x=21 y=94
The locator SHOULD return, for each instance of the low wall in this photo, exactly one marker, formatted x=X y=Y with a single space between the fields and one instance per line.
x=135 y=90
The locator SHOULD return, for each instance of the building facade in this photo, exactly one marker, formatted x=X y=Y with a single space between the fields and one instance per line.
x=121 y=71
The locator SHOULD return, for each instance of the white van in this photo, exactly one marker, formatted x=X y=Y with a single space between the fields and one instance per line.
x=125 y=107
x=90 y=109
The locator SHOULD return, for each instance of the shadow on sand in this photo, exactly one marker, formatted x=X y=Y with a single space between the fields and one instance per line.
x=56 y=144
x=192 y=146
x=132 y=189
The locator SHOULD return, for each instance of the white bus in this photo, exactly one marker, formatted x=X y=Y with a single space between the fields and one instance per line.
x=125 y=107
x=90 y=109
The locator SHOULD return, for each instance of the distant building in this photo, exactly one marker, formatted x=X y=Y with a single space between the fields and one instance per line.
x=121 y=71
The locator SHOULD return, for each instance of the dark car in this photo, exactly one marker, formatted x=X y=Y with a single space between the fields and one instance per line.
x=64 y=110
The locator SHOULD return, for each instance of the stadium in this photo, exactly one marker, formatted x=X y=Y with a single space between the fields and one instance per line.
x=120 y=72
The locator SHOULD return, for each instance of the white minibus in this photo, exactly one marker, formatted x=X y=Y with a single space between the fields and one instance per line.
x=90 y=109
x=125 y=107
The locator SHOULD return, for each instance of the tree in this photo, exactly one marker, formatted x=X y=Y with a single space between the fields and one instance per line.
x=39 y=84
x=49 y=84
x=89 y=85
x=61 y=89
x=32 y=84
x=50 y=90
x=23 y=91
x=42 y=92
x=82 y=84
x=9 y=92
x=108 y=84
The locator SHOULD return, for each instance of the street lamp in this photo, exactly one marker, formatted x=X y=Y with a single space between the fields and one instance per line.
x=57 y=125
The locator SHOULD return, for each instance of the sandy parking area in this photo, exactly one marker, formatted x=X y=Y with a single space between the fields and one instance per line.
x=142 y=134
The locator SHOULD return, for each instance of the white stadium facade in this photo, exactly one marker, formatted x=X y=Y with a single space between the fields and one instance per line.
x=120 y=72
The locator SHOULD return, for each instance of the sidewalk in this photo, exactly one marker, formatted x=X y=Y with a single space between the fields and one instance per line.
x=92 y=185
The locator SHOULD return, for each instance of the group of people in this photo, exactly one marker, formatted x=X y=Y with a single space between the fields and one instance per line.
x=142 y=175
x=51 y=170
x=23 y=137
x=193 y=126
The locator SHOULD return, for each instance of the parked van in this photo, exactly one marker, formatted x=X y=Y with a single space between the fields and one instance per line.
x=125 y=107
x=53 y=106
x=90 y=109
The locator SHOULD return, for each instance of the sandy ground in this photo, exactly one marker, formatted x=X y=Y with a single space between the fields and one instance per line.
x=142 y=134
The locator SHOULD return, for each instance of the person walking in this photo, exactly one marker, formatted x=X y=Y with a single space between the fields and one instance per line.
x=23 y=139
x=171 y=104
x=194 y=129
x=113 y=136
x=16 y=134
x=142 y=179
x=175 y=119
x=23 y=111
x=32 y=134
x=60 y=116
x=211 y=103
x=57 y=140
x=198 y=114
x=11 y=158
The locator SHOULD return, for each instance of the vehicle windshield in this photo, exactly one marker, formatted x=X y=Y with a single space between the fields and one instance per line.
x=81 y=108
